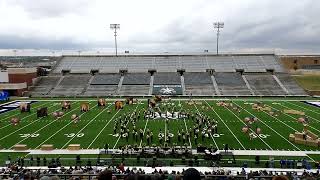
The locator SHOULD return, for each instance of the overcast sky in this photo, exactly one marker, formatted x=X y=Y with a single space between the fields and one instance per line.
x=161 y=25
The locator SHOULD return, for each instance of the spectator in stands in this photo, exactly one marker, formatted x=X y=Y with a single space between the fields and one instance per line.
x=121 y=167
x=105 y=175
x=280 y=178
x=191 y=174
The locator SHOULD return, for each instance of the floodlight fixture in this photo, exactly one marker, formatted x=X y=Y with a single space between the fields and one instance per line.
x=218 y=26
x=115 y=27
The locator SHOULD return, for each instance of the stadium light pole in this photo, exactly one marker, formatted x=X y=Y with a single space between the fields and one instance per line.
x=115 y=27
x=218 y=26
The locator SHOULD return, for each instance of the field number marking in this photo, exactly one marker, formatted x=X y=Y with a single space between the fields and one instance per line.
x=71 y=135
x=28 y=135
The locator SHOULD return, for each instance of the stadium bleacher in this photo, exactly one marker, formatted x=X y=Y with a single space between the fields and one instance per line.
x=198 y=83
x=71 y=85
x=135 y=84
x=264 y=84
x=290 y=84
x=231 y=84
x=170 y=78
x=101 y=90
x=44 y=85
x=105 y=79
x=194 y=63
x=137 y=80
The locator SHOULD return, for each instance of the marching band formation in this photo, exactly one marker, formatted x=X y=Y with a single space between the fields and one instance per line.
x=202 y=127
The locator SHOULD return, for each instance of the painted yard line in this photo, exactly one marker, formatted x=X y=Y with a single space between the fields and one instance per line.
x=276 y=132
x=185 y=124
x=225 y=125
x=42 y=128
x=59 y=130
x=269 y=127
x=295 y=118
x=144 y=130
x=83 y=128
x=165 y=130
x=23 y=126
x=19 y=113
x=278 y=119
x=214 y=141
x=304 y=108
x=102 y=129
x=250 y=128
x=288 y=116
x=127 y=124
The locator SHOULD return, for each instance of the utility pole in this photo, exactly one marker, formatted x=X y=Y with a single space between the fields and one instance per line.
x=218 y=26
x=115 y=27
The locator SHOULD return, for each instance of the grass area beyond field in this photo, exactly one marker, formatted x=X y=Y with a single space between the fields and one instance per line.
x=309 y=82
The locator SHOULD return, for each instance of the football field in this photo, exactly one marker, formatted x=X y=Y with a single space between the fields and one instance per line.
x=96 y=127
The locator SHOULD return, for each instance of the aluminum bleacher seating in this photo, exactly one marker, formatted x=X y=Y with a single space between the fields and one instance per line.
x=106 y=79
x=135 y=84
x=264 y=84
x=198 y=83
x=71 y=85
x=231 y=84
x=136 y=80
x=290 y=84
x=101 y=90
x=44 y=85
x=172 y=78
x=194 y=63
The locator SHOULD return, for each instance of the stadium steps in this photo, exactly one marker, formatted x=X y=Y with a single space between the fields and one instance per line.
x=87 y=86
x=247 y=84
x=183 y=86
x=151 y=85
x=120 y=84
x=215 y=85
x=280 y=84
x=56 y=85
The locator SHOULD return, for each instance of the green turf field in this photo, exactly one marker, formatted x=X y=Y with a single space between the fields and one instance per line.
x=95 y=127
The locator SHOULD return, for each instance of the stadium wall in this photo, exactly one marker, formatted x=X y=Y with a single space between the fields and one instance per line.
x=21 y=75
x=4 y=77
x=293 y=62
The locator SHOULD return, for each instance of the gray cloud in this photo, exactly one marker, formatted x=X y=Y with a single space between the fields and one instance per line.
x=51 y=8
x=264 y=24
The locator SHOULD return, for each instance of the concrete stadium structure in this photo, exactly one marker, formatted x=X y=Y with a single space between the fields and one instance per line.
x=185 y=75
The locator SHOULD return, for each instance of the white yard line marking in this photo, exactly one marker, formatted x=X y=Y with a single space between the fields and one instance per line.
x=273 y=130
x=23 y=126
x=10 y=116
x=165 y=130
x=84 y=127
x=144 y=130
x=42 y=128
x=225 y=125
x=214 y=141
x=250 y=128
x=185 y=124
x=303 y=107
x=283 y=122
x=127 y=124
x=291 y=116
x=102 y=129
x=299 y=109
x=268 y=126
x=59 y=130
